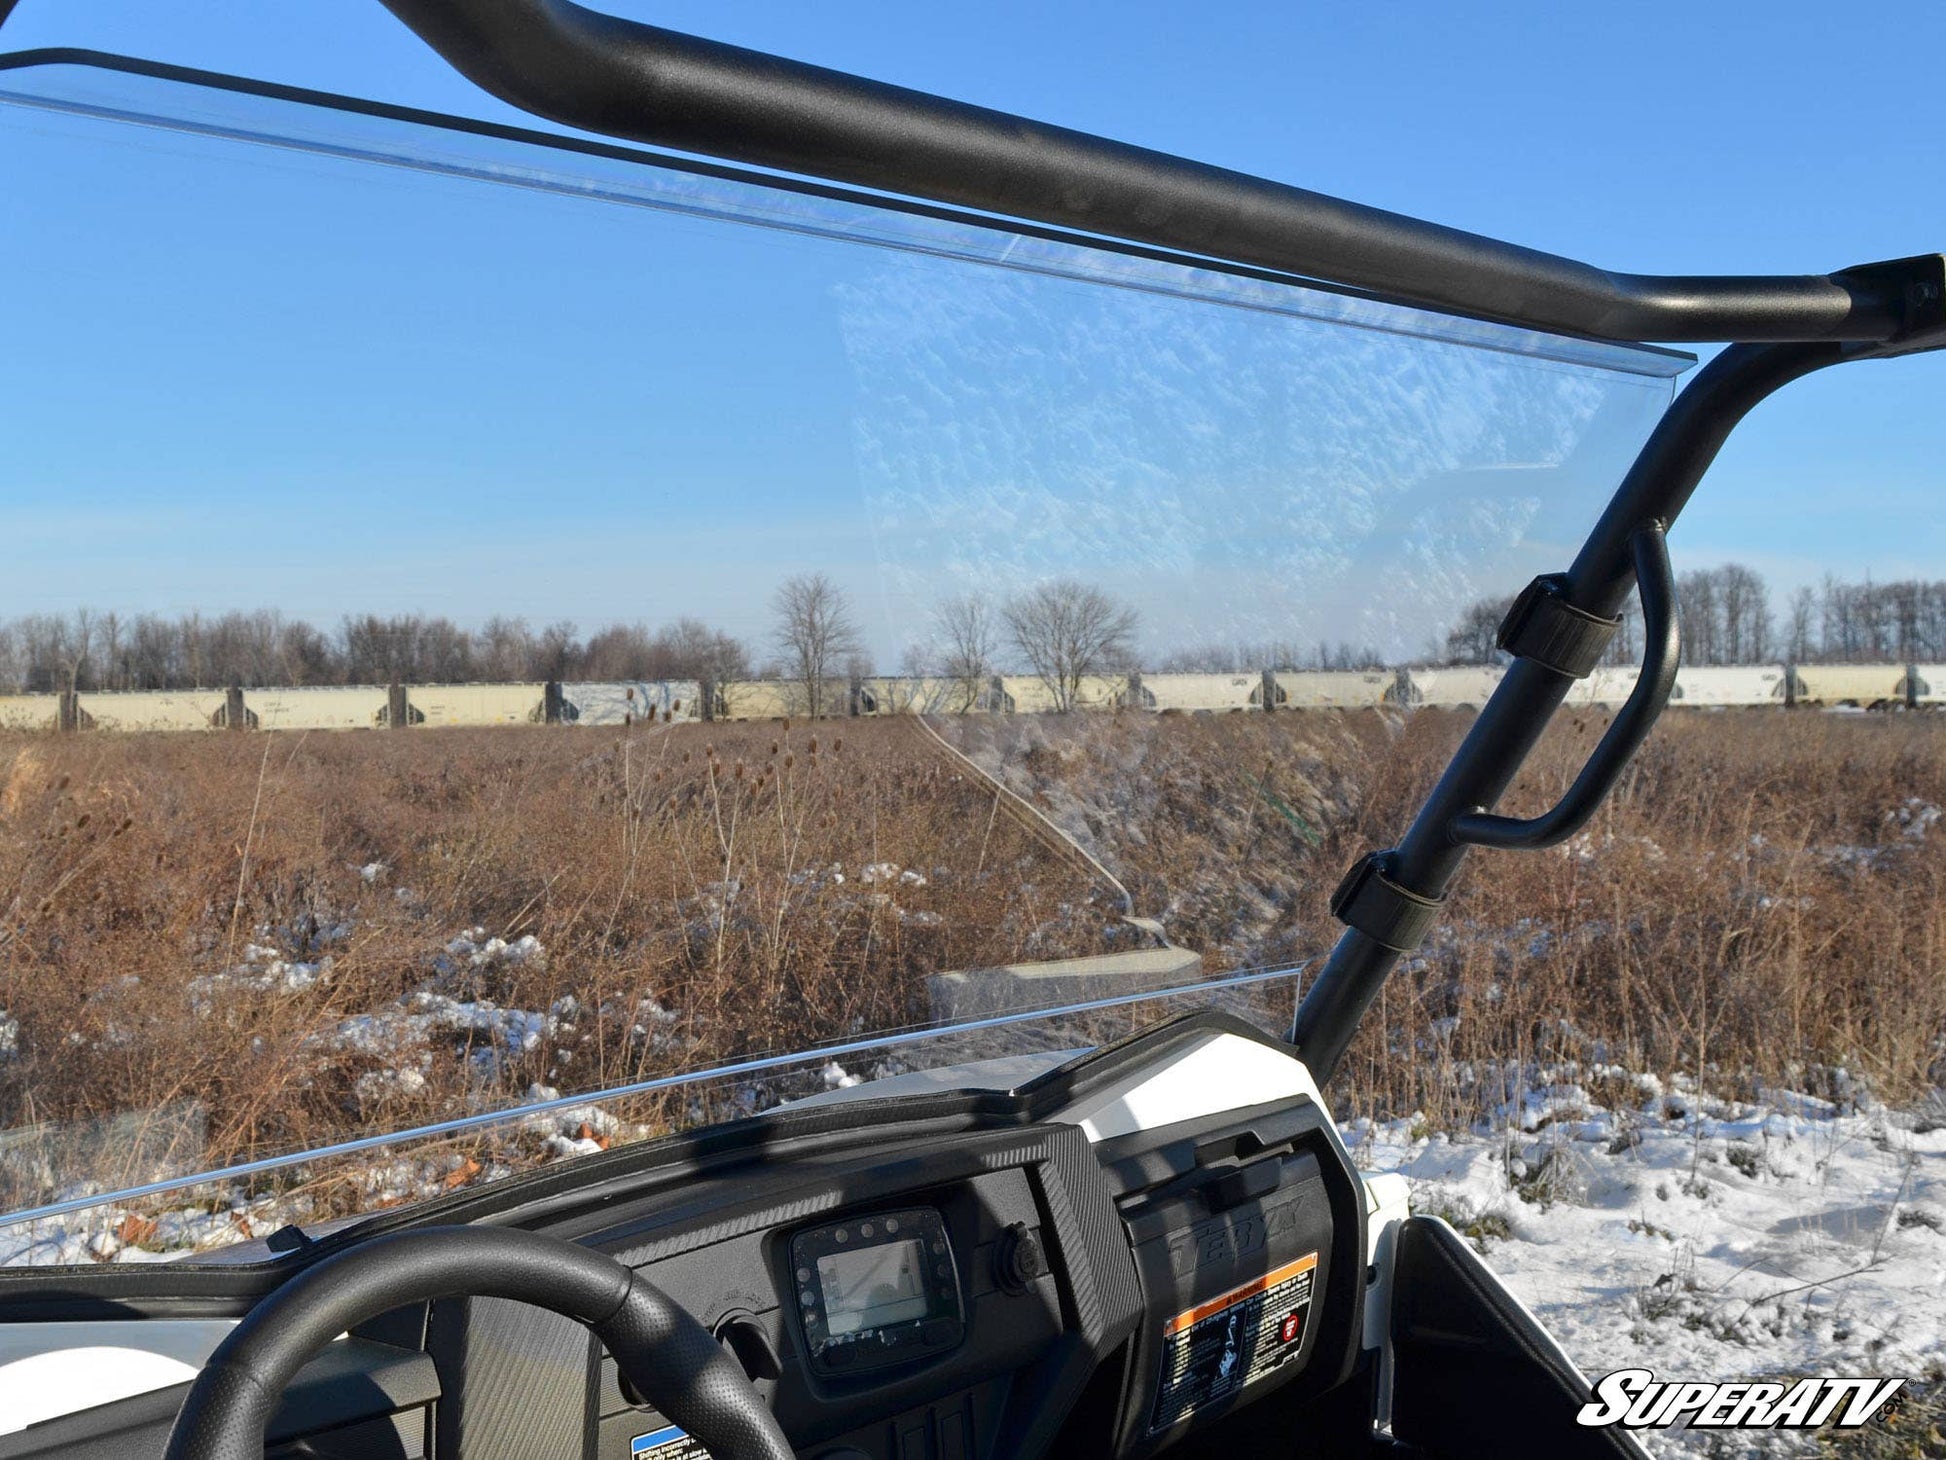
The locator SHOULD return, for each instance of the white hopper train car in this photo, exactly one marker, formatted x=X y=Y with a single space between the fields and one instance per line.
x=906 y=694
x=475 y=704
x=1458 y=687
x=631 y=701
x=1334 y=689
x=1928 y=684
x=1198 y=693
x=1723 y=685
x=1866 y=686
x=1028 y=694
x=176 y=709
x=769 y=699
x=322 y=707
x=29 y=712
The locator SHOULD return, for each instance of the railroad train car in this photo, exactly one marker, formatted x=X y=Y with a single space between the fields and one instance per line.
x=905 y=694
x=629 y=701
x=1866 y=686
x=1458 y=687
x=475 y=704
x=162 y=709
x=320 y=707
x=1725 y=685
x=29 y=712
x=769 y=699
x=1028 y=694
x=1197 y=693
x=1334 y=689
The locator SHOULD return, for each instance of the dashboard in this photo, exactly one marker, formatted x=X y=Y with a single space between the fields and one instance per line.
x=1131 y=1251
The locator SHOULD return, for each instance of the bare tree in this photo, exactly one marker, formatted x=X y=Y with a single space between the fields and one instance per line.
x=1803 y=608
x=691 y=649
x=970 y=632
x=1068 y=631
x=79 y=667
x=817 y=637
x=1475 y=638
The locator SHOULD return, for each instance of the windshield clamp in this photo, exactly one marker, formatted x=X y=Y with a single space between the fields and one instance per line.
x=1543 y=626
x=1392 y=916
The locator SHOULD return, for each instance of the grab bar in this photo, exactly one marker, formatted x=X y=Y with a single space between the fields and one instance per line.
x=1662 y=655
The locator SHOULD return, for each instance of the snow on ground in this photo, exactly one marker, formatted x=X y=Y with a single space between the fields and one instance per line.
x=1704 y=1240
x=217 y=1216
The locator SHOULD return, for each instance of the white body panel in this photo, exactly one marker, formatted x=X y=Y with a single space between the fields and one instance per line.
x=1216 y=1073
x=51 y=1369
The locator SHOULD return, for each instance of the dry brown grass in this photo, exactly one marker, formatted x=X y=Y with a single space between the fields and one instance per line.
x=1754 y=906
x=1748 y=907
x=688 y=866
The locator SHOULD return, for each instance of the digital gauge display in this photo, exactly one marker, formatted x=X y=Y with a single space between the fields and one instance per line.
x=877 y=1289
x=870 y=1287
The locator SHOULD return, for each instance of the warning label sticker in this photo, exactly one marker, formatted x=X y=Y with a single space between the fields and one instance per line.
x=671 y=1442
x=1211 y=1351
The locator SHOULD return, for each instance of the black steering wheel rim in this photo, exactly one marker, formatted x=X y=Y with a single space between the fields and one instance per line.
x=667 y=1355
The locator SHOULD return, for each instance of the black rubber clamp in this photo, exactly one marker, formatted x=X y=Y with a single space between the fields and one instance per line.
x=1545 y=627
x=1390 y=915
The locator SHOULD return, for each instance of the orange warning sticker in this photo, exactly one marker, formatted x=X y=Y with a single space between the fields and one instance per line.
x=1211 y=1351
x=1236 y=1295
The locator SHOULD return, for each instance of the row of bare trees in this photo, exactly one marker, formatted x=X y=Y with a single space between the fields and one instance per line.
x=1064 y=632
x=1727 y=618
x=105 y=651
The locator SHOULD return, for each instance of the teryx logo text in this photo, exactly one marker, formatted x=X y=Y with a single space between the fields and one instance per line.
x=1635 y=1399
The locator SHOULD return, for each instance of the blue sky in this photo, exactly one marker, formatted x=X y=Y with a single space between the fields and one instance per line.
x=1736 y=138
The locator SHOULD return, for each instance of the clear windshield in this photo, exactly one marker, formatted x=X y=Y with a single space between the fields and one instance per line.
x=507 y=651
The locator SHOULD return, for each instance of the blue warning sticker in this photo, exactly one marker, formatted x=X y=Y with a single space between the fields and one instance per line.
x=671 y=1442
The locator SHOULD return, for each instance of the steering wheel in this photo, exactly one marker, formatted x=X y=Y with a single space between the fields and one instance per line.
x=667 y=1355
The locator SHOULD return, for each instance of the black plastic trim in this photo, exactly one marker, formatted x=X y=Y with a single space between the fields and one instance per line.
x=1474 y=1376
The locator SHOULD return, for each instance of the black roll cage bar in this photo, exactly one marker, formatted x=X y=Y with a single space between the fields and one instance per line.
x=616 y=77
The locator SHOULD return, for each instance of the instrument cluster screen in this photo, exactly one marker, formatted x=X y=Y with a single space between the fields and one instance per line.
x=877 y=1289
x=873 y=1286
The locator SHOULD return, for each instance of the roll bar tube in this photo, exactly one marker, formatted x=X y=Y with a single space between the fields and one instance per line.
x=603 y=74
